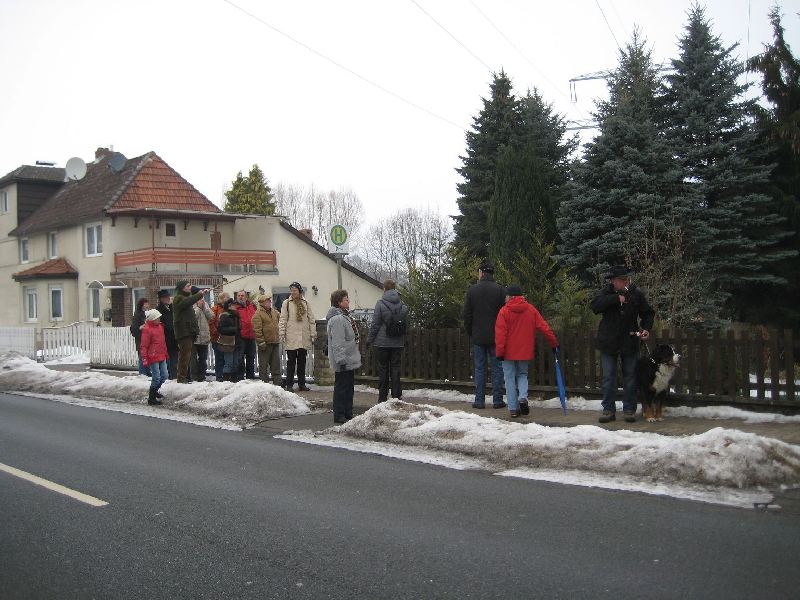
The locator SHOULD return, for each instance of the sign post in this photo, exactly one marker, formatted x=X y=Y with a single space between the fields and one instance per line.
x=339 y=246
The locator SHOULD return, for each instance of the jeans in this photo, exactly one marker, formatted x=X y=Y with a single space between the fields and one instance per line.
x=219 y=360
x=142 y=369
x=516 y=372
x=480 y=352
x=172 y=363
x=609 y=364
x=200 y=361
x=297 y=357
x=158 y=374
x=343 y=390
x=247 y=359
x=389 y=370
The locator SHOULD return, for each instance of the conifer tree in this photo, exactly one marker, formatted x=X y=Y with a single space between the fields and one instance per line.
x=492 y=129
x=250 y=195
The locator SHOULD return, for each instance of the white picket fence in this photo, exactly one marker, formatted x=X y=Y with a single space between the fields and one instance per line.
x=18 y=339
x=68 y=340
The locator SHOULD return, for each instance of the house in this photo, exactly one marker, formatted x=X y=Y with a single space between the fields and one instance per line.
x=88 y=248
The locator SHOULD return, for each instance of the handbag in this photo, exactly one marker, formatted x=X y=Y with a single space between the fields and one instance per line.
x=227 y=343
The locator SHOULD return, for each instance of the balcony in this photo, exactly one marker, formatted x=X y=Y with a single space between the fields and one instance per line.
x=218 y=260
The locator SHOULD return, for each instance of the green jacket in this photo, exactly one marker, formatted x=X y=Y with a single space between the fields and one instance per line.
x=183 y=315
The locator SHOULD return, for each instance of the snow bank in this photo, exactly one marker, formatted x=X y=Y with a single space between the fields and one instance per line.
x=720 y=457
x=243 y=402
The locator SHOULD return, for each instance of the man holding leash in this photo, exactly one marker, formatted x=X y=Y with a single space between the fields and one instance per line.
x=627 y=318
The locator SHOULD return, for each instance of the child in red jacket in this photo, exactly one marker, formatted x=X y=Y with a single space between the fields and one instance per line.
x=154 y=353
x=515 y=338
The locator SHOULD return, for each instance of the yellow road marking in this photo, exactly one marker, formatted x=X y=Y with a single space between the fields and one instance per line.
x=90 y=500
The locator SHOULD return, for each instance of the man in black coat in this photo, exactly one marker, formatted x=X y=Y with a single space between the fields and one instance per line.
x=627 y=318
x=165 y=308
x=484 y=300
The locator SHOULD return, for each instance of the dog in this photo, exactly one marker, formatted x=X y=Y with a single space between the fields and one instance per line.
x=654 y=374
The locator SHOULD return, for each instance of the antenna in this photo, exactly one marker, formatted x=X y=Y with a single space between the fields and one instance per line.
x=117 y=162
x=75 y=169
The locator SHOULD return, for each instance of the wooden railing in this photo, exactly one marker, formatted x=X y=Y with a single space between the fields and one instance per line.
x=194 y=256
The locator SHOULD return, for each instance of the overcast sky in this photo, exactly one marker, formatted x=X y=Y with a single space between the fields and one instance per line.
x=213 y=90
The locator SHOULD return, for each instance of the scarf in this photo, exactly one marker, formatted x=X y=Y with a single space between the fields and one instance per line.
x=352 y=324
x=301 y=309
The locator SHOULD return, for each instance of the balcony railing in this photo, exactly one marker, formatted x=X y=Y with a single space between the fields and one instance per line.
x=262 y=259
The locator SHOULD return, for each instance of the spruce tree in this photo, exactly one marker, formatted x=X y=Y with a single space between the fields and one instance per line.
x=492 y=129
x=250 y=195
x=709 y=126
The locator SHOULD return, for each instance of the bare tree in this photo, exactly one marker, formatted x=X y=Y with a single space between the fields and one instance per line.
x=311 y=208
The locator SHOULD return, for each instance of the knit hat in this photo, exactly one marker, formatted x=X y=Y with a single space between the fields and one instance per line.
x=513 y=290
x=152 y=314
x=295 y=284
x=263 y=298
x=486 y=267
x=164 y=293
x=180 y=285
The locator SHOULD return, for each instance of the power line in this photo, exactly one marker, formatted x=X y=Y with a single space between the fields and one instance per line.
x=608 y=24
x=343 y=67
x=459 y=42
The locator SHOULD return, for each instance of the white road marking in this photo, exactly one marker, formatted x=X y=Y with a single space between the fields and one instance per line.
x=90 y=500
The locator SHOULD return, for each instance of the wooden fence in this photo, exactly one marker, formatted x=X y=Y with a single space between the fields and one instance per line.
x=754 y=366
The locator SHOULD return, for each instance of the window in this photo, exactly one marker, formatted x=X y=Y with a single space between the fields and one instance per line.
x=138 y=293
x=56 y=303
x=52 y=245
x=23 y=250
x=94 y=304
x=94 y=240
x=31 y=310
x=170 y=230
x=3 y=202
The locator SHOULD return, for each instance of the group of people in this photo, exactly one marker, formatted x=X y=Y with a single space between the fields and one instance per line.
x=177 y=334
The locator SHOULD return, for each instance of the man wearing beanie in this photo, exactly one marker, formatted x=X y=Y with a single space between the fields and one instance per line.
x=515 y=339
x=185 y=323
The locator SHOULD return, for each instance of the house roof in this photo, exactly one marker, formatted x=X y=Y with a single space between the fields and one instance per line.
x=322 y=250
x=55 y=268
x=31 y=173
x=143 y=182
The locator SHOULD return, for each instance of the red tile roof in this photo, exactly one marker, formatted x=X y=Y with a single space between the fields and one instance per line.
x=55 y=268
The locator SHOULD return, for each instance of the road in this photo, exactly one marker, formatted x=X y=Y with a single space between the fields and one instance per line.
x=195 y=512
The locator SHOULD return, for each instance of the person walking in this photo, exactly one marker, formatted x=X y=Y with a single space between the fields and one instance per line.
x=137 y=324
x=247 y=356
x=297 y=331
x=164 y=306
x=515 y=341
x=203 y=316
x=265 y=328
x=627 y=318
x=185 y=324
x=343 y=355
x=219 y=355
x=390 y=316
x=229 y=325
x=155 y=354
x=484 y=300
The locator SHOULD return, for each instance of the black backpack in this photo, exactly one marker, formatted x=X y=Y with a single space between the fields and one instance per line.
x=397 y=322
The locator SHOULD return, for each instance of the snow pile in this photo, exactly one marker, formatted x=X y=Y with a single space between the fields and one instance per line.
x=719 y=457
x=77 y=357
x=244 y=402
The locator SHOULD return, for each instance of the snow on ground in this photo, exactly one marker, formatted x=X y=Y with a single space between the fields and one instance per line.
x=718 y=458
x=77 y=358
x=241 y=403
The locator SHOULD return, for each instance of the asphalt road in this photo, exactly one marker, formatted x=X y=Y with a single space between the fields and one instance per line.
x=202 y=513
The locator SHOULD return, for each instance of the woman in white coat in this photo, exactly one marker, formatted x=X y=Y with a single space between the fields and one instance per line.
x=297 y=330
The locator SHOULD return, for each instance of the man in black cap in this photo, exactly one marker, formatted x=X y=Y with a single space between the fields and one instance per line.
x=165 y=308
x=627 y=318
x=484 y=300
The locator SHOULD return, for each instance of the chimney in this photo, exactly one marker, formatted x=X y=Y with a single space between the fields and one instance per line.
x=101 y=152
x=307 y=232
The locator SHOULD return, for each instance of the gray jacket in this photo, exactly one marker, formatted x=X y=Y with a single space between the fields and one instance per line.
x=203 y=316
x=390 y=302
x=343 y=351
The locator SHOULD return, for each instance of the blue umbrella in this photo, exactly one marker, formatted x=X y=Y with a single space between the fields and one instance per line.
x=562 y=392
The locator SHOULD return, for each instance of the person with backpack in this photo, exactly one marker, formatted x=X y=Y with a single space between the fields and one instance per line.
x=387 y=334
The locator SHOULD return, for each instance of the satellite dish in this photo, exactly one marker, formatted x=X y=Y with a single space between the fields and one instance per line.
x=75 y=170
x=117 y=162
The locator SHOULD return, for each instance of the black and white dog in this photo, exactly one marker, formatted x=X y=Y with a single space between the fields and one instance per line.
x=654 y=374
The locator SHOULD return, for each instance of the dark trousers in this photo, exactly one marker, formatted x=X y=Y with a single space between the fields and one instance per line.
x=247 y=359
x=343 y=390
x=185 y=349
x=200 y=360
x=172 y=363
x=298 y=358
x=219 y=360
x=269 y=362
x=389 y=370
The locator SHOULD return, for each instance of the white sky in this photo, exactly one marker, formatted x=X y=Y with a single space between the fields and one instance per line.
x=213 y=90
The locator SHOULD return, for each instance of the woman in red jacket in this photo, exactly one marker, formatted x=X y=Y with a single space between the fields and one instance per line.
x=515 y=338
x=154 y=353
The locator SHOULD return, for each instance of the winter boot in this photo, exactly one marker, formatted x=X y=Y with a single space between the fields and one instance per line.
x=159 y=395
x=524 y=407
x=607 y=416
x=151 y=398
